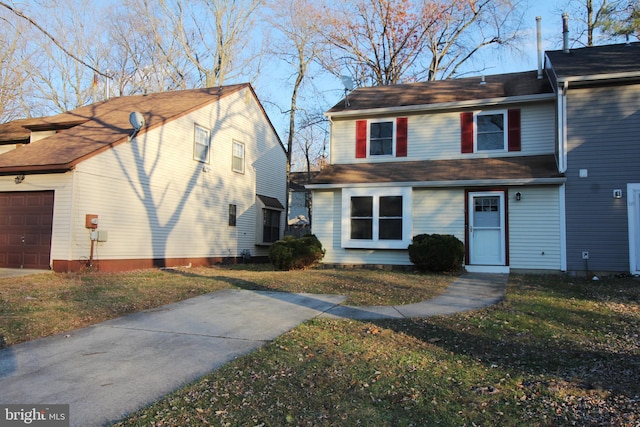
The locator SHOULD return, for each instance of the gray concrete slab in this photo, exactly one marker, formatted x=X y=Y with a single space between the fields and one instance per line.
x=116 y=367
x=468 y=292
x=16 y=272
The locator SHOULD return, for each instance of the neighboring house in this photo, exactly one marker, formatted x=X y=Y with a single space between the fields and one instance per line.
x=299 y=202
x=470 y=157
x=598 y=90
x=202 y=181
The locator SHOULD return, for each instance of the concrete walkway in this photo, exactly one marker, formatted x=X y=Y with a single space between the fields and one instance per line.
x=111 y=369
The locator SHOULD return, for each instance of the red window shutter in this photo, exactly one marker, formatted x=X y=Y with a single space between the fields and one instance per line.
x=401 y=137
x=361 y=139
x=466 y=124
x=514 y=130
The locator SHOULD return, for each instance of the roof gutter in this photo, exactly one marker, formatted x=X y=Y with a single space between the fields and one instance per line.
x=40 y=169
x=600 y=77
x=445 y=105
x=442 y=184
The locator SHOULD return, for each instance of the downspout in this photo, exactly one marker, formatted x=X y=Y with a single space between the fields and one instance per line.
x=562 y=126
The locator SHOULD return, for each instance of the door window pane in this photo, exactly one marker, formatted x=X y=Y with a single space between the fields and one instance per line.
x=486 y=212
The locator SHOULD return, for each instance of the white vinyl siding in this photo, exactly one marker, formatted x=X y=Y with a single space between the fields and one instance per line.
x=534 y=228
x=436 y=136
x=439 y=211
x=185 y=198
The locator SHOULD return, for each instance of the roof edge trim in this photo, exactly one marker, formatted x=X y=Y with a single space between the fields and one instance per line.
x=440 y=184
x=447 y=105
x=599 y=77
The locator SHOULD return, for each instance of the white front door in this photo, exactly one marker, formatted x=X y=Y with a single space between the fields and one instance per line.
x=486 y=229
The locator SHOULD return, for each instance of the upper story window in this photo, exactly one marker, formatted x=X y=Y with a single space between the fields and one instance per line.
x=202 y=143
x=381 y=138
x=376 y=218
x=490 y=131
x=490 y=134
x=238 y=157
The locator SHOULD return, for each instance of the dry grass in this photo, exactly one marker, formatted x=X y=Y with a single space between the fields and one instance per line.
x=44 y=304
x=556 y=352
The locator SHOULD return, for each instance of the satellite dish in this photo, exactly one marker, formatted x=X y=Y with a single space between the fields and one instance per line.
x=137 y=120
x=348 y=83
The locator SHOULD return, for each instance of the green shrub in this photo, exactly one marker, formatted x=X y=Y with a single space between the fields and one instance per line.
x=293 y=253
x=436 y=252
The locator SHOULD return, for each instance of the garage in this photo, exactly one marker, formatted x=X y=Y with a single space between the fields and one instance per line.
x=25 y=229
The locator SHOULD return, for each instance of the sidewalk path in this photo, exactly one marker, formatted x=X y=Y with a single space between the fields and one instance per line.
x=111 y=369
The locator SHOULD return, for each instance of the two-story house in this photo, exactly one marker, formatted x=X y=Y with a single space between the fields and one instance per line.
x=191 y=177
x=598 y=103
x=472 y=157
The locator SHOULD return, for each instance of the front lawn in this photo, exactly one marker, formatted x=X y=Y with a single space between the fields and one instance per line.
x=556 y=352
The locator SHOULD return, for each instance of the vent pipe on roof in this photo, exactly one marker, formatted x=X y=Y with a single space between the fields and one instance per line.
x=539 y=34
x=565 y=32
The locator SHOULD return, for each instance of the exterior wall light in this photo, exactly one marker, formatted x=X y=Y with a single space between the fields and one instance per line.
x=518 y=196
x=617 y=194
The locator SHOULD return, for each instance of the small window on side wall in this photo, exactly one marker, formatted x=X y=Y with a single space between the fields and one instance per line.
x=232 y=215
x=202 y=143
x=237 y=161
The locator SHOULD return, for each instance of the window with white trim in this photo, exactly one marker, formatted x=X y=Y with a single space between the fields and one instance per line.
x=381 y=137
x=237 y=162
x=490 y=131
x=202 y=143
x=378 y=218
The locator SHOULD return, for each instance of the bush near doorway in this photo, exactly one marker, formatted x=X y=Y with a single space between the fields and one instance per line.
x=436 y=252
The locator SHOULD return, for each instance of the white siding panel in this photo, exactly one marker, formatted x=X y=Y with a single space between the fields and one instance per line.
x=436 y=136
x=534 y=228
x=156 y=201
x=438 y=211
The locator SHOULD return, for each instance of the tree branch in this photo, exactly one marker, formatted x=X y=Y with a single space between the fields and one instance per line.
x=53 y=39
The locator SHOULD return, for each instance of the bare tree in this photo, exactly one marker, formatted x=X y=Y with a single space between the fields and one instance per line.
x=143 y=58
x=591 y=19
x=297 y=43
x=381 y=42
x=376 y=41
x=64 y=56
x=467 y=26
x=13 y=71
x=214 y=35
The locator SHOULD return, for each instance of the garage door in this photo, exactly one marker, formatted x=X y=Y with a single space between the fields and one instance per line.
x=25 y=229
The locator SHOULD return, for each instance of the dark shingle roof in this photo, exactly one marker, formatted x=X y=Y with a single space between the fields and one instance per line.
x=444 y=91
x=596 y=61
x=472 y=169
x=89 y=130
